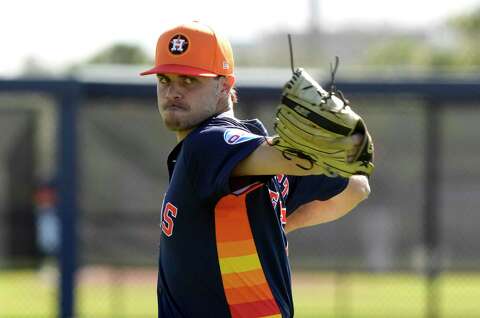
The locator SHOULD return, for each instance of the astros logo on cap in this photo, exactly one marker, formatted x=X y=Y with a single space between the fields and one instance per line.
x=178 y=44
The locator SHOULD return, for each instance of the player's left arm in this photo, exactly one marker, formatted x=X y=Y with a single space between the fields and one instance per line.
x=267 y=160
x=317 y=212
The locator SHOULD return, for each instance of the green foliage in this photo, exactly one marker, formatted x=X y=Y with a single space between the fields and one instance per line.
x=440 y=58
x=121 y=53
x=402 y=51
x=468 y=28
x=468 y=24
x=464 y=51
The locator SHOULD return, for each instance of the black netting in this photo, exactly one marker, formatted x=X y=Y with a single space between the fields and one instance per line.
x=371 y=263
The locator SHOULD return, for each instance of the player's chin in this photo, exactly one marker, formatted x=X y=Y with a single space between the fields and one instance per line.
x=176 y=123
x=182 y=120
x=173 y=125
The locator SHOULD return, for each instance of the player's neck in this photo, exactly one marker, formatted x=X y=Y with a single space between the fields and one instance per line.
x=182 y=134
x=227 y=112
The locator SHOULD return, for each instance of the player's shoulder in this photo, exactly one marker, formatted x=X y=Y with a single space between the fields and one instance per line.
x=225 y=129
x=227 y=121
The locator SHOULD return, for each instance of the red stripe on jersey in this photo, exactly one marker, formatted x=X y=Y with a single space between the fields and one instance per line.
x=254 y=309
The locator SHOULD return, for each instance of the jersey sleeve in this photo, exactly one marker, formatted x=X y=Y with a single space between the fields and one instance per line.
x=310 y=188
x=213 y=153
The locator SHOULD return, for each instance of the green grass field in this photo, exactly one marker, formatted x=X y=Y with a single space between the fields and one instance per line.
x=131 y=293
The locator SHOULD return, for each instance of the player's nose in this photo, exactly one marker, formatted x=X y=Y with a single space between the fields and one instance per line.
x=173 y=92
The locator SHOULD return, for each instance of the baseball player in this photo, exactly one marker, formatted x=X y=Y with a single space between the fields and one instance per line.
x=232 y=196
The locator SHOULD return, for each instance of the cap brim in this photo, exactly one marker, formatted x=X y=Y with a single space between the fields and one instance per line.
x=179 y=69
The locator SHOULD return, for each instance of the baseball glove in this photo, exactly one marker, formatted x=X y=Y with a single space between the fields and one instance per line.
x=318 y=125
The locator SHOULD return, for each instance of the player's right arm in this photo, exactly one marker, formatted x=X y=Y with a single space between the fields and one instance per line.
x=318 y=212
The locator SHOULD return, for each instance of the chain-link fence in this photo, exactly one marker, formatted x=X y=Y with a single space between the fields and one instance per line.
x=375 y=262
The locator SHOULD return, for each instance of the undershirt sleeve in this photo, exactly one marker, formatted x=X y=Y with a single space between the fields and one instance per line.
x=310 y=188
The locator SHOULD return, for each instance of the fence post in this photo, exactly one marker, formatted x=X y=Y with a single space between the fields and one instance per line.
x=68 y=100
x=433 y=116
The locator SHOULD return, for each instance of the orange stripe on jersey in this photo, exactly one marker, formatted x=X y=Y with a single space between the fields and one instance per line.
x=243 y=279
x=248 y=294
x=236 y=248
x=233 y=228
x=246 y=289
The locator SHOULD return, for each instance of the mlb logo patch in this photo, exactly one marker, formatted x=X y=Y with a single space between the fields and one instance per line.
x=226 y=66
x=235 y=136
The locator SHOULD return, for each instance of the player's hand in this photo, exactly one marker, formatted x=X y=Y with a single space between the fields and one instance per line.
x=356 y=142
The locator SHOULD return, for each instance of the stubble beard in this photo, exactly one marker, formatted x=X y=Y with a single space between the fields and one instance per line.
x=176 y=123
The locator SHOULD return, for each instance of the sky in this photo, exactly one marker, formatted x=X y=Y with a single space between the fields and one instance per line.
x=58 y=33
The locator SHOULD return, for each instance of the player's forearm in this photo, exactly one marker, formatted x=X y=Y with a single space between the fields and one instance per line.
x=312 y=213
x=266 y=160
x=318 y=212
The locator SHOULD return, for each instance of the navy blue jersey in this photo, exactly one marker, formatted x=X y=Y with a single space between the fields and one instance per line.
x=223 y=245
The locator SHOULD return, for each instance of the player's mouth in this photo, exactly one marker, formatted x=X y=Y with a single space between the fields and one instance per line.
x=175 y=107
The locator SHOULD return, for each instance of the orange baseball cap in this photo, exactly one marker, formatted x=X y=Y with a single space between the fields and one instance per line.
x=193 y=49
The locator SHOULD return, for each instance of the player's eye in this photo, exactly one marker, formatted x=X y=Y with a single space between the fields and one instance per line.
x=188 y=81
x=163 y=80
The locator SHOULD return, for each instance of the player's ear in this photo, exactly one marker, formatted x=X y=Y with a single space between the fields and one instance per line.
x=230 y=81
x=225 y=84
